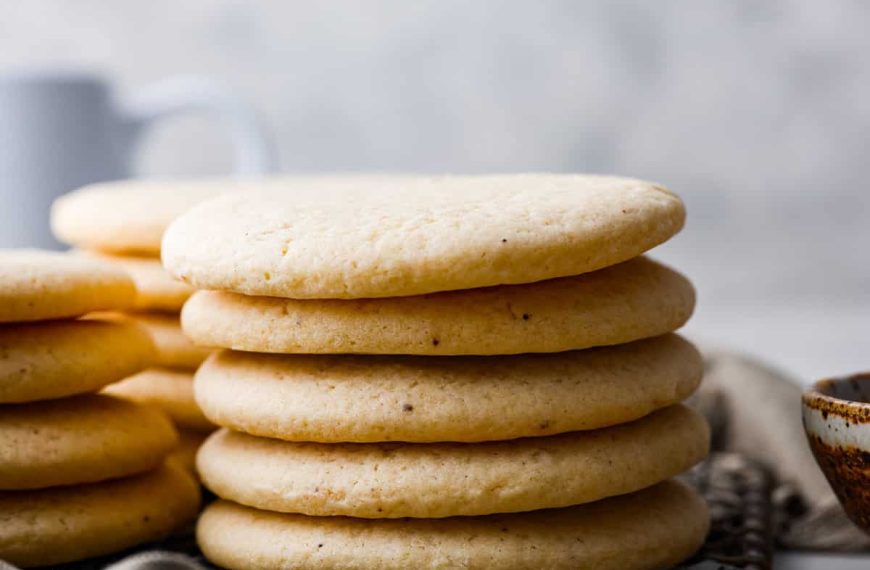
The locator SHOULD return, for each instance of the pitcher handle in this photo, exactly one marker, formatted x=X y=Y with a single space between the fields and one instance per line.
x=254 y=151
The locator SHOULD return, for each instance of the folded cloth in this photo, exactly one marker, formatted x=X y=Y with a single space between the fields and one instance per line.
x=755 y=410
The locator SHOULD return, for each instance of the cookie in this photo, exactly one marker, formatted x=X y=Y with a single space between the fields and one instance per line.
x=433 y=480
x=126 y=217
x=340 y=398
x=654 y=528
x=170 y=391
x=43 y=361
x=79 y=440
x=39 y=285
x=129 y=216
x=389 y=237
x=185 y=453
x=634 y=300
x=174 y=349
x=64 y=524
x=156 y=289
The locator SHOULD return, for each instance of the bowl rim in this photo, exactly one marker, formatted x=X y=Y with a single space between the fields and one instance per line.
x=815 y=392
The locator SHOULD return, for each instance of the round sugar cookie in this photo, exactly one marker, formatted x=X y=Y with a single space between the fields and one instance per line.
x=172 y=347
x=170 y=391
x=389 y=237
x=126 y=216
x=79 y=440
x=342 y=398
x=651 y=529
x=49 y=527
x=156 y=289
x=39 y=285
x=433 y=480
x=48 y=360
x=634 y=300
x=130 y=216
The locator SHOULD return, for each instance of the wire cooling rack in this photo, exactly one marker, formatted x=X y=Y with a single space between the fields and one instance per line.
x=738 y=492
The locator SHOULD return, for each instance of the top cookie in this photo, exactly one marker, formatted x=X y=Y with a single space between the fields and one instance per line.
x=130 y=216
x=39 y=285
x=125 y=217
x=386 y=237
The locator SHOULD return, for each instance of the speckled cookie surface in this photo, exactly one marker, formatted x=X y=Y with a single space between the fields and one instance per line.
x=126 y=216
x=42 y=361
x=653 y=529
x=52 y=526
x=39 y=285
x=633 y=300
x=341 y=398
x=79 y=440
x=156 y=289
x=350 y=238
x=436 y=480
x=171 y=391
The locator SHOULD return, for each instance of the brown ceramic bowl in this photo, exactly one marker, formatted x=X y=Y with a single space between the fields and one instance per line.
x=836 y=416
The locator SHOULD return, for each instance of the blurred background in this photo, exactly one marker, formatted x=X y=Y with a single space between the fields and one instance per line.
x=757 y=113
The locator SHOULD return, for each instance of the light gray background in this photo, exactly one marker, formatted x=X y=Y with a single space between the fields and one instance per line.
x=756 y=112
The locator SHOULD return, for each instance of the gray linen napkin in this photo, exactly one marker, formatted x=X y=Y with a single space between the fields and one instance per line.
x=756 y=411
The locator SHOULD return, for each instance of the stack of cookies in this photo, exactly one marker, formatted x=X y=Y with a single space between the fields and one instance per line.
x=123 y=223
x=81 y=474
x=472 y=372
